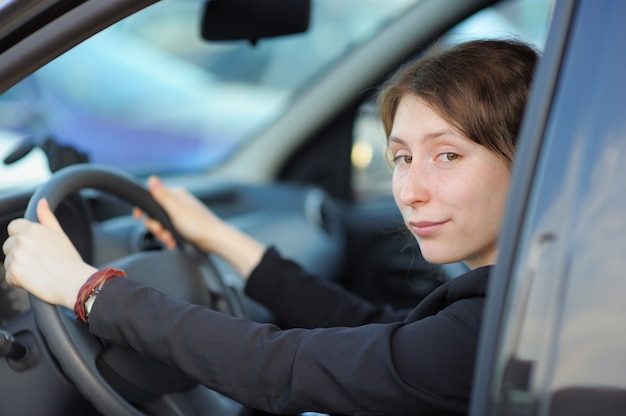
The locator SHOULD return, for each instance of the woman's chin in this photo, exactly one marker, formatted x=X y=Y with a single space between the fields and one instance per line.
x=439 y=256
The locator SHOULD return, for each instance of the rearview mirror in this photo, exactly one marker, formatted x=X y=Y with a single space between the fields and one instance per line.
x=254 y=19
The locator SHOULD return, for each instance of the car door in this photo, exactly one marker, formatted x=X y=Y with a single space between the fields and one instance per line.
x=554 y=341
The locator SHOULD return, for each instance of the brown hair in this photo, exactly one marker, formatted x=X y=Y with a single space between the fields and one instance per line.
x=479 y=87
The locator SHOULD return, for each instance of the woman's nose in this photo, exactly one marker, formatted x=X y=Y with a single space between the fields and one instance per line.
x=414 y=188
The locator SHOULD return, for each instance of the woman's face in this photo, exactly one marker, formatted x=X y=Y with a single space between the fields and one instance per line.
x=451 y=190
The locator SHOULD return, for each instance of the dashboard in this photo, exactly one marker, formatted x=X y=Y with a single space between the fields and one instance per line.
x=300 y=221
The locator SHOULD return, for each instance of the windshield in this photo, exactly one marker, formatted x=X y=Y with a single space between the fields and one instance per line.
x=174 y=103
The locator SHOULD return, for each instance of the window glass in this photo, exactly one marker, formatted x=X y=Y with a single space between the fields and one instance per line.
x=522 y=19
x=149 y=96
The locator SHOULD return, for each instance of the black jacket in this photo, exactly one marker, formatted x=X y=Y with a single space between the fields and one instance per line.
x=356 y=359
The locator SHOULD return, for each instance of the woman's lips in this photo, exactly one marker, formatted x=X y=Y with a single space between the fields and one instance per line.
x=426 y=228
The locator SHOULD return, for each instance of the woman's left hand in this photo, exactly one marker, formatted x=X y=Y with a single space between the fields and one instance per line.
x=41 y=259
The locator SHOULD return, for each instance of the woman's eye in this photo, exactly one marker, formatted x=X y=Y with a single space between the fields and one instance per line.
x=402 y=159
x=448 y=157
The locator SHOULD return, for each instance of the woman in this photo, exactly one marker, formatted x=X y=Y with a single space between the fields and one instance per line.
x=452 y=119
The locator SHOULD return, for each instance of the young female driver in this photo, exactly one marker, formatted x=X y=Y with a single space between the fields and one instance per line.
x=452 y=119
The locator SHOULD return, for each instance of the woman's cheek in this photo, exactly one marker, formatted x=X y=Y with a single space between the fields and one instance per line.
x=397 y=184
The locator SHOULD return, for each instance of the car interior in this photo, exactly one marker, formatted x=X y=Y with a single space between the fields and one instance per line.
x=311 y=180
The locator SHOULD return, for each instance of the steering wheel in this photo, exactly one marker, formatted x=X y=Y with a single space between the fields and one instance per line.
x=112 y=377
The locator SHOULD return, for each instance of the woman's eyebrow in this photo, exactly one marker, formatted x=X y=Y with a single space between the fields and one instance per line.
x=427 y=137
x=395 y=139
x=440 y=133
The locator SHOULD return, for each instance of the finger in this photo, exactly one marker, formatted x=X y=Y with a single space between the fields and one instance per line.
x=153 y=225
x=46 y=216
x=157 y=188
x=9 y=277
x=165 y=196
x=169 y=241
x=160 y=233
x=17 y=226
x=137 y=213
x=166 y=238
x=7 y=246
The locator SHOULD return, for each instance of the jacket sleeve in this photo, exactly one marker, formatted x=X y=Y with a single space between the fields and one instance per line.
x=298 y=299
x=396 y=368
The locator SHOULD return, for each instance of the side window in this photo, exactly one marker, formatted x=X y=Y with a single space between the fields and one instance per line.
x=522 y=19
